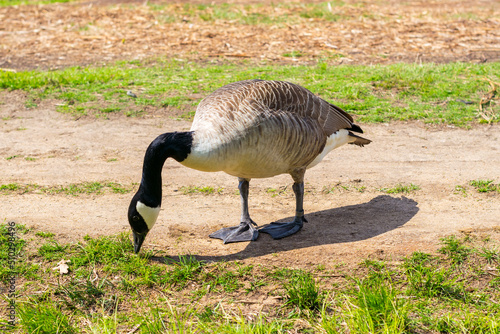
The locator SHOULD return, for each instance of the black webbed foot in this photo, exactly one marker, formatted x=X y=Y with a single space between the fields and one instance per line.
x=282 y=230
x=243 y=232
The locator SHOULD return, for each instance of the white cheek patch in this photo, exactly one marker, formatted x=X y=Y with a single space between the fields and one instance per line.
x=148 y=214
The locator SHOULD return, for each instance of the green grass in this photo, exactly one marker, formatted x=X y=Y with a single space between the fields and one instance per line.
x=73 y=189
x=276 y=192
x=401 y=189
x=491 y=255
x=339 y=187
x=45 y=318
x=44 y=234
x=110 y=289
x=398 y=92
x=279 y=13
x=293 y=54
x=485 y=186
x=481 y=186
x=375 y=306
x=426 y=280
x=454 y=249
x=206 y=190
x=10 y=187
x=52 y=250
x=302 y=292
x=250 y=14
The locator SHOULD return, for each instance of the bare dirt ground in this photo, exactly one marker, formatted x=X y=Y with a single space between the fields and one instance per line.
x=346 y=225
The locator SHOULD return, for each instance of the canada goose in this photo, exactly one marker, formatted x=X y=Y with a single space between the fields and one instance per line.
x=248 y=129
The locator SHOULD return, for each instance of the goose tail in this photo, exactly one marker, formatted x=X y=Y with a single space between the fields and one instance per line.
x=355 y=128
x=357 y=140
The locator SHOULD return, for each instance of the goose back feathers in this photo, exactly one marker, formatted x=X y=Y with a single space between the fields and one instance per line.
x=257 y=128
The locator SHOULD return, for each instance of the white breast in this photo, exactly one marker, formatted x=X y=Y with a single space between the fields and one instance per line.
x=335 y=140
x=206 y=154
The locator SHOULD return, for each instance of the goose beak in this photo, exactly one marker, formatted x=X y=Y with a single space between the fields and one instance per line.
x=138 y=240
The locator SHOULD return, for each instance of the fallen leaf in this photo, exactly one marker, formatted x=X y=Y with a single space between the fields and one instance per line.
x=62 y=267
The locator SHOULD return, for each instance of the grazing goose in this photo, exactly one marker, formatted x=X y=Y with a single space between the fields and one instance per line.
x=248 y=129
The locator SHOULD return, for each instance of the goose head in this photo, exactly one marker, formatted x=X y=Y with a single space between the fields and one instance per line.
x=141 y=218
x=145 y=205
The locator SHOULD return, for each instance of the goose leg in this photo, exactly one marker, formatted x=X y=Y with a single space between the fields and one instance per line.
x=282 y=230
x=246 y=231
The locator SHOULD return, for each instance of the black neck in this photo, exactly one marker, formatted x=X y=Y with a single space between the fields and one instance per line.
x=173 y=144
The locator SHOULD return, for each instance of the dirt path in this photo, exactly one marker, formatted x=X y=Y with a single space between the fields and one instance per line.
x=345 y=225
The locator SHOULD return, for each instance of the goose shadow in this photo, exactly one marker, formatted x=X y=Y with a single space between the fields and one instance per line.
x=333 y=226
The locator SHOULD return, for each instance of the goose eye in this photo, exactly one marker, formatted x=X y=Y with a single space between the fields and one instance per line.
x=136 y=219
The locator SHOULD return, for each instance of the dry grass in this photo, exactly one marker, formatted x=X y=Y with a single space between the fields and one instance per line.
x=58 y=35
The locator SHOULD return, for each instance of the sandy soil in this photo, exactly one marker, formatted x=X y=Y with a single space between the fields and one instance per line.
x=344 y=226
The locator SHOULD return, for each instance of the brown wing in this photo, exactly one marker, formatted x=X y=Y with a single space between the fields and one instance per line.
x=267 y=123
x=298 y=100
x=235 y=99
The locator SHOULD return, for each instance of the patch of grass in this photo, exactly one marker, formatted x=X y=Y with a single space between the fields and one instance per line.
x=44 y=235
x=293 y=54
x=255 y=285
x=189 y=116
x=427 y=280
x=250 y=14
x=44 y=318
x=485 y=186
x=82 y=188
x=209 y=313
x=206 y=190
x=302 y=292
x=490 y=255
x=110 y=289
x=261 y=325
x=322 y=11
x=344 y=187
x=454 y=249
x=83 y=293
x=360 y=189
x=10 y=187
x=401 y=189
x=397 y=92
x=470 y=322
x=111 y=109
x=12 y=252
x=226 y=280
x=461 y=190
x=118 y=188
x=186 y=269
x=276 y=192
x=73 y=189
x=376 y=307
x=52 y=250
x=104 y=250
x=102 y=324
